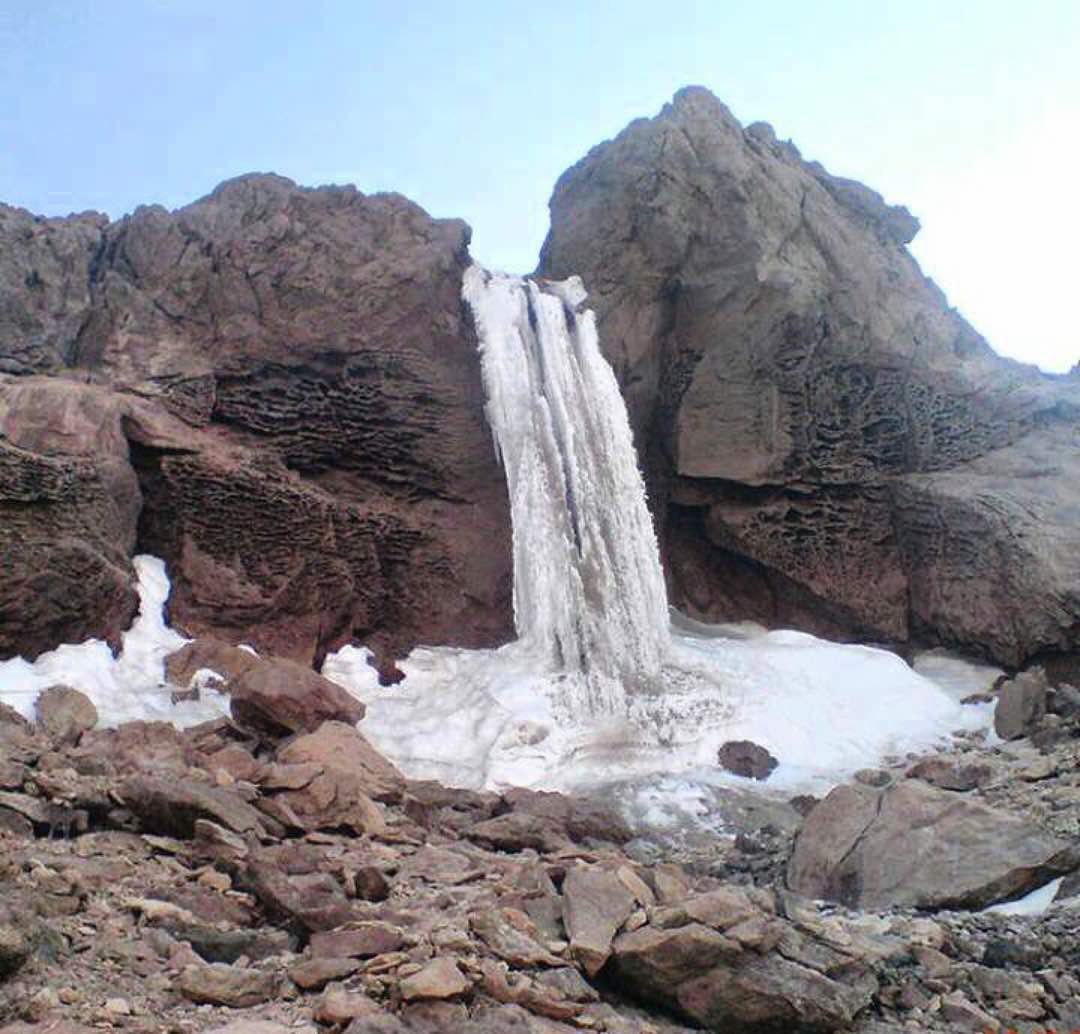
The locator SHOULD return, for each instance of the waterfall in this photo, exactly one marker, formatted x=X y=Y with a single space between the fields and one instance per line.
x=598 y=691
x=589 y=596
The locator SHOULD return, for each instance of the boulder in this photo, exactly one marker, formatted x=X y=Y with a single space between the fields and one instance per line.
x=711 y=980
x=280 y=697
x=361 y=940
x=324 y=779
x=1021 y=705
x=64 y=714
x=69 y=508
x=582 y=818
x=912 y=845
x=743 y=758
x=949 y=773
x=596 y=903
x=208 y=654
x=440 y=978
x=310 y=902
x=336 y=745
x=171 y=807
x=15 y=949
x=231 y=986
x=827 y=444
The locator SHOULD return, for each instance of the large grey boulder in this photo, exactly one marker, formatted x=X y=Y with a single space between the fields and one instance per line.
x=916 y=846
x=1021 y=704
x=827 y=443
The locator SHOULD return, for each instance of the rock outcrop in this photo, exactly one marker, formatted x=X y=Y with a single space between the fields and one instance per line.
x=913 y=845
x=827 y=443
x=323 y=469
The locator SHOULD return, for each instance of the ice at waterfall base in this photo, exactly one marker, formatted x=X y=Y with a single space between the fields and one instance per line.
x=490 y=719
x=598 y=693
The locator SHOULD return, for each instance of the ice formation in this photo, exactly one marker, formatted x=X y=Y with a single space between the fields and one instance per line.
x=603 y=688
x=589 y=594
x=125 y=688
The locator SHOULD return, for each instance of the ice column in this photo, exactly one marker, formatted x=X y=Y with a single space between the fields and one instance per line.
x=589 y=593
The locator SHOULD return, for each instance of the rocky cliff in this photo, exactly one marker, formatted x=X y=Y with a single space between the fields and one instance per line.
x=828 y=444
x=275 y=389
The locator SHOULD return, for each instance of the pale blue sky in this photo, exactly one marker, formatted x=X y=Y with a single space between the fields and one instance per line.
x=968 y=111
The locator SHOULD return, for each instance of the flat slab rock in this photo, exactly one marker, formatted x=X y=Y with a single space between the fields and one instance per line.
x=914 y=845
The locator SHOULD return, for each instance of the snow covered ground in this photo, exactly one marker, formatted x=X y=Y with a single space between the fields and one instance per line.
x=493 y=719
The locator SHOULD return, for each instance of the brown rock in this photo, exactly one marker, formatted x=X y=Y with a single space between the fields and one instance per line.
x=912 y=845
x=440 y=978
x=828 y=445
x=312 y=901
x=14 y=949
x=517 y=831
x=172 y=807
x=335 y=745
x=227 y=985
x=951 y=773
x=512 y=936
x=69 y=505
x=596 y=903
x=361 y=941
x=279 y=697
x=338 y=1006
x=746 y=759
x=582 y=818
x=157 y=748
x=314 y=974
x=334 y=472
x=1021 y=705
x=65 y=713
x=210 y=654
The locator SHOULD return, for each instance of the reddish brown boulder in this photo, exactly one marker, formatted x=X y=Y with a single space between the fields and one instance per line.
x=64 y=714
x=279 y=697
x=207 y=653
x=336 y=745
x=69 y=504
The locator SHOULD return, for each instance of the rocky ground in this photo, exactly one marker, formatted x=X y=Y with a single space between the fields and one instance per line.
x=265 y=876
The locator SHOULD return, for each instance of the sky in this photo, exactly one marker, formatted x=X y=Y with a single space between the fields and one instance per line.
x=967 y=111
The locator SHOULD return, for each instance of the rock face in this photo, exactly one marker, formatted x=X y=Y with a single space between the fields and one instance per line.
x=284 y=402
x=827 y=443
x=912 y=845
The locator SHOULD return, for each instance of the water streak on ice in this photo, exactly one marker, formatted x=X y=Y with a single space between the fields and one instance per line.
x=589 y=593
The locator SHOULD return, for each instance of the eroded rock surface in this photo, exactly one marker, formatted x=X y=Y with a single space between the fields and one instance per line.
x=326 y=470
x=827 y=443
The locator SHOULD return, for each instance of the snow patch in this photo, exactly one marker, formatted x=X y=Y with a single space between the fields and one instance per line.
x=1033 y=904
x=125 y=688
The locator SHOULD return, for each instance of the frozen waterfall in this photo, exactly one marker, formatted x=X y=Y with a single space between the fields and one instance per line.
x=600 y=690
x=589 y=592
